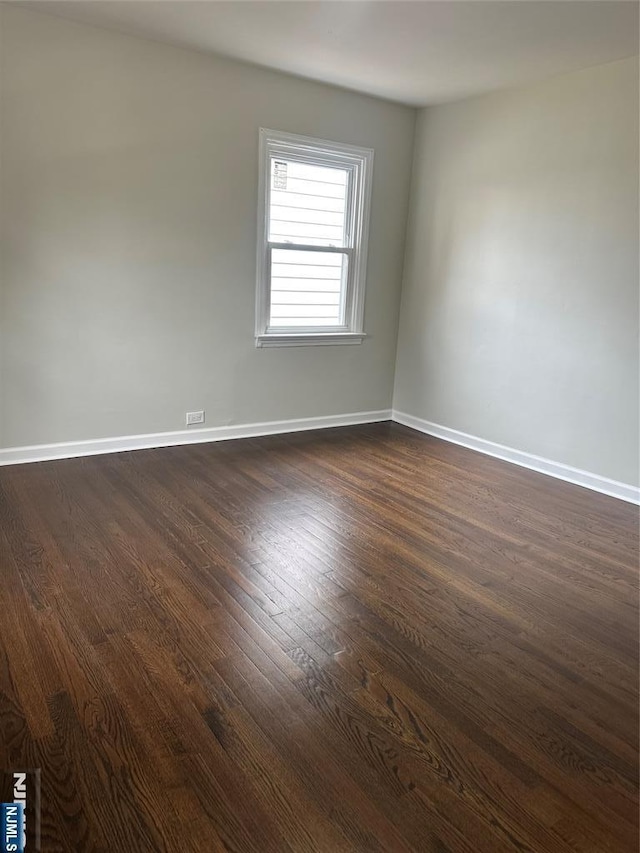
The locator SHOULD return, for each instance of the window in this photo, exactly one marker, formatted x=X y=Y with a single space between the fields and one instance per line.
x=312 y=240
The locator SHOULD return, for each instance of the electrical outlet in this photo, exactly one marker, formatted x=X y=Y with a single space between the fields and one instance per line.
x=195 y=418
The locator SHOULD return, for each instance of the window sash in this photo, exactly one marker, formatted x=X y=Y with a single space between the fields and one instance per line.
x=346 y=284
x=351 y=209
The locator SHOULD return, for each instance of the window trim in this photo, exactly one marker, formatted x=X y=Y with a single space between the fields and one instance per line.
x=319 y=152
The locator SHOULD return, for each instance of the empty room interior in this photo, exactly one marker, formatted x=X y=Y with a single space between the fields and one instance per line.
x=319 y=426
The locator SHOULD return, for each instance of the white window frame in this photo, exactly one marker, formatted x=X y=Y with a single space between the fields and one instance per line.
x=317 y=152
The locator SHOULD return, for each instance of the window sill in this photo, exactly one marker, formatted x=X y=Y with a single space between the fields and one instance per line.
x=312 y=339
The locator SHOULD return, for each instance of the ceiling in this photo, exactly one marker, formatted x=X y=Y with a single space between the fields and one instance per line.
x=417 y=52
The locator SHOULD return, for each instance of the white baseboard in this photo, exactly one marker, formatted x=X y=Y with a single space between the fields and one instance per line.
x=623 y=491
x=92 y=447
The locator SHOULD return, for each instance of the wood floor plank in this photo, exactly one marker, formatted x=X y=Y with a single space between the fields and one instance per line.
x=360 y=639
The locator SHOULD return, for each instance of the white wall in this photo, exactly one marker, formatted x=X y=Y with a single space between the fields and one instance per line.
x=129 y=177
x=519 y=318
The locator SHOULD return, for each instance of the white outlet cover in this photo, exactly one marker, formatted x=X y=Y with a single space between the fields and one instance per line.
x=195 y=418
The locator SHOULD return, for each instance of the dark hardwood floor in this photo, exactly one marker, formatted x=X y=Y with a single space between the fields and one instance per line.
x=351 y=640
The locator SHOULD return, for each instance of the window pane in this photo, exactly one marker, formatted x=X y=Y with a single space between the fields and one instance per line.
x=307 y=288
x=307 y=203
